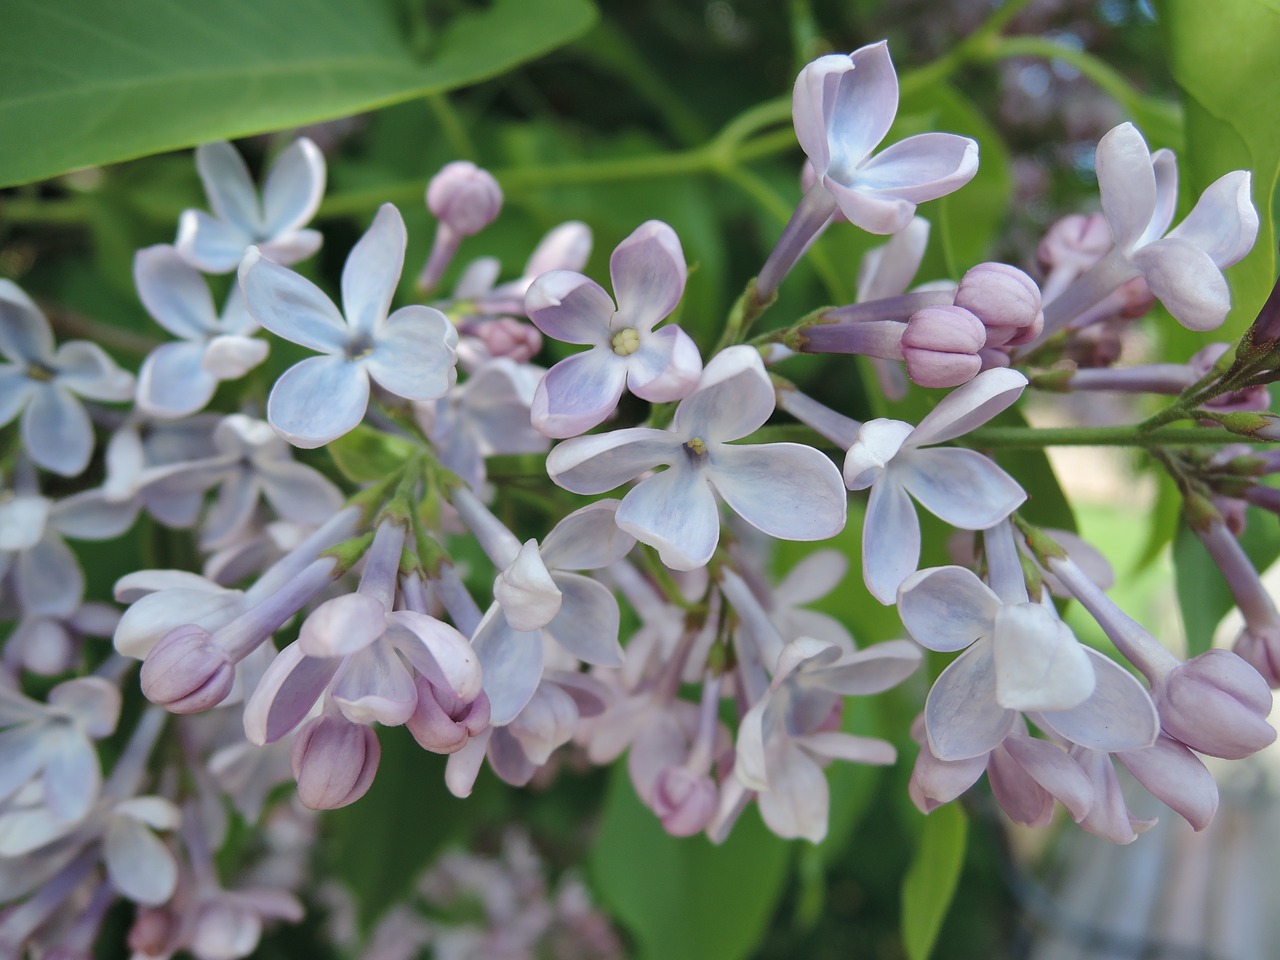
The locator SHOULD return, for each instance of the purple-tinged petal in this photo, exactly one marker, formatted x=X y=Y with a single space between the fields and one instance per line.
x=1040 y=665
x=90 y=515
x=71 y=775
x=587 y=539
x=566 y=247
x=865 y=672
x=1187 y=281
x=935 y=782
x=93 y=702
x=1224 y=222
x=154 y=615
x=209 y=244
x=47 y=578
x=299 y=493
x=293 y=188
x=437 y=651
x=291 y=247
x=877 y=442
x=1119 y=715
x=598 y=463
x=811 y=579
x=962 y=487
x=666 y=368
x=372 y=271
x=660 y=742
x=228 y=185
x=578 y=393
x=835 y=745
x=286 y=693
x=919 y=168
x=342 y=626
x=547 y=722
x=1054 y=770
x=464 y=766
x=1109 y=814
x=947 y=608
x=1175 y=775
x=173 y=292
x=787 y=490
x=1127 y=183
x=890 y=540
x=734 y=397
x=173 y=381
x=587 y=624
x=676 y=513
x=887 y=271
x=138 y=864
x=414 y=354
x=375 y=686
x=318 y=400
x=811 y=98
x=86 y=369
x=56 y=431
x=569 y=307
x=511 y=663
x=1164 y=167
x=648 y=273
x=877 y=213
x=528 y=595
x=24 y=332
x=862 y=108
x=290 y=306
x=231 y=357
x=797 y=803
x=22 y=754
x=16 y=389
x=962 y=715
x=970 y=406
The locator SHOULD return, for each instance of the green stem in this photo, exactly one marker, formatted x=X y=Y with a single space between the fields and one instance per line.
x=451 y=125
x=1034 y=438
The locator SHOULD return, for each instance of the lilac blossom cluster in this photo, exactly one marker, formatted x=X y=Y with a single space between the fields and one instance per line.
x=321 y=613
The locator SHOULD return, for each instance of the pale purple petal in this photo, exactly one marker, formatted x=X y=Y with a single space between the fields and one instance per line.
x=578 y=393
x=811 y=579
x=173 y=381
x=291 y=247
x=676 y=513
x=342 y=626
x=569 y=307
x=318 y=400
x=1224 y=222
x=290 y=306
x=22 y=754
x=1126 y=182
x=919 y=168
x=968 y=407
x=587 y=624
x=587 y=539
x=876 y=213
x=93 y=702
x=173 y=292
x=414 y=353
x=375 y=686
x=23 y=518
x=138 y=864
x=1119 y=715
x=529 y=597
x=71 y=776
x=299 y=493
x=598 y=463
x=813 y=95
x=659 y=743
x=890 y=540
x=1174 y=774
x=463 y=767
x=231 y=357
x=16 y=389
x=24 y=332
x=734 y=398
x=961 y=713
x=546 y=722
x=787 y=490
x=1039 y=663
x=861 y=107
x=798 y=801
x=152 y=616
x=209 y=244
x=877 y=442
x=947 y=608
x=845 y=746
x=648 y=273
x=56 y=431
x=1164 y=167
x=888 y=270
x=85 y=368
x=935 y=782
x=90 y=515
x=437 y=651
x=372 y=271
x=865 y=672
x=1186 y=280
x=293 y=188
x=961 y=487
x=228 y=185
x=1054 y=770
x=47 y=578
x=286 y=693
x=566 y=247
x=511 y=663
x=667 y=366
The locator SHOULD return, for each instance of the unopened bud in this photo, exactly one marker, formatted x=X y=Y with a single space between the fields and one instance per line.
x=1217 y=704
x=152 y=931
x=1075 y=241
x=507 y=337
x=684 y=801
x=1006 y=300
x=186 y=672
x=941 y=344
x=334 y=761
x=464 y=197
x=443 y=724
x=1260 y=648
x=1263 y=426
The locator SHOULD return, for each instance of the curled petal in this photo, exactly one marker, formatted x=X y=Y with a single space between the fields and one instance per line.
x=786 y=490
x=815 y=88
x=286 y=693
x=375 y=686
x=1223 y=223
x=1186 y=280
x=877 y=442
x=920 y=168
x=1039 y=663
x=342 y=626
x=437 y=651
x=569 y=307
x=530 y=598
x=1126 y=182
x=860 y=109
x=968 y=407
x=947 y=608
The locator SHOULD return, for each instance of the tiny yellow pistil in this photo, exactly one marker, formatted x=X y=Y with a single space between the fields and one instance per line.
x=626 y=341
x=698 y=446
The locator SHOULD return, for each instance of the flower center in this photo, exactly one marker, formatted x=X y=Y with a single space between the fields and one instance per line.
x=626 y=341
x=697 y=448
x=38 y=371
x=358 y=347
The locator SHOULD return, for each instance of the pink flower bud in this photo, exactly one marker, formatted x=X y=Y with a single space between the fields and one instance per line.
x=684 y=801
x=443 y=724
x=506 y=337
x=152 y=932
x=1006 y=300
x=1217 y=704
x=334 y=761
x=1076 y=241
x=941 y=344
x=1260 y=648
x=186 y=672
x=464 y=197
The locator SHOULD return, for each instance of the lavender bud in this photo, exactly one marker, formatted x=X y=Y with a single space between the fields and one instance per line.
x=1075 y=241
x=685 y=801
x=1217 y=704
x=334 y=761
x=153 y=931
x=507 y=337
x=941 y=344
x=1006 y=300
x=1260 y=648
x=186 y=672
x=443 y=724
x=464 y=197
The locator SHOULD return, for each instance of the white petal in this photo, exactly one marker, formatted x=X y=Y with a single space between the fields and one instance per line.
x=667 y=366
x=138 y=864
x=569 y=307
x=210 y=244
x=890 y=540
x=1126 y=182
x=947 y=608
x=860 y=108
x=375 y=686
x=587 y=539
x=888 y=270
x=1223 y=223
x=961 y=713
x=815 y=88
x=961 y=487
x=24 y=332
x=173 y=292
x=437 y=651
x=877 y=442
x=318 y=400
x=56 y=431
x=587 y=624
x=786 y=490
x=293 y=188
x=529 y=597
x=86 y=369
x=231 y=357
x=47 y=578
x=414 y=356
x=968 y=407
x=920 y=168
x=598 y=463
x=372 y=271
x=291 y=306
x=734 y=398
x=228 y=186
x=798 y=802
x=1119 y=715
x=676 y=513
x=1187 y=281
x=511 y=663
x=1040 y=665
x=173 y=381
x=342 y=626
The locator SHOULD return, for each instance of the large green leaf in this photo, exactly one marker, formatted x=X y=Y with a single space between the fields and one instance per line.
x=930 y=883
x=84 y=82
x=685 y=899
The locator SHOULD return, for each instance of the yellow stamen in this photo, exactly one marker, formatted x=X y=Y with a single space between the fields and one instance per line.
x=626 y=341
x=698 y=446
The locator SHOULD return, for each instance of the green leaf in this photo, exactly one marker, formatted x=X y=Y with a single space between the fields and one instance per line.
x=930 y=882
x=365 y=454
x=1222 y=55
x=85 y=82
x=683 y=898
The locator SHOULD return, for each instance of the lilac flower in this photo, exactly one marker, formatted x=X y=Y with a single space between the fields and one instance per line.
x=962 y=487
x=786 y=490
x=290 y=197
x=177 y=379
x=410 y=353
x=648 y=273
x=42 y=385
